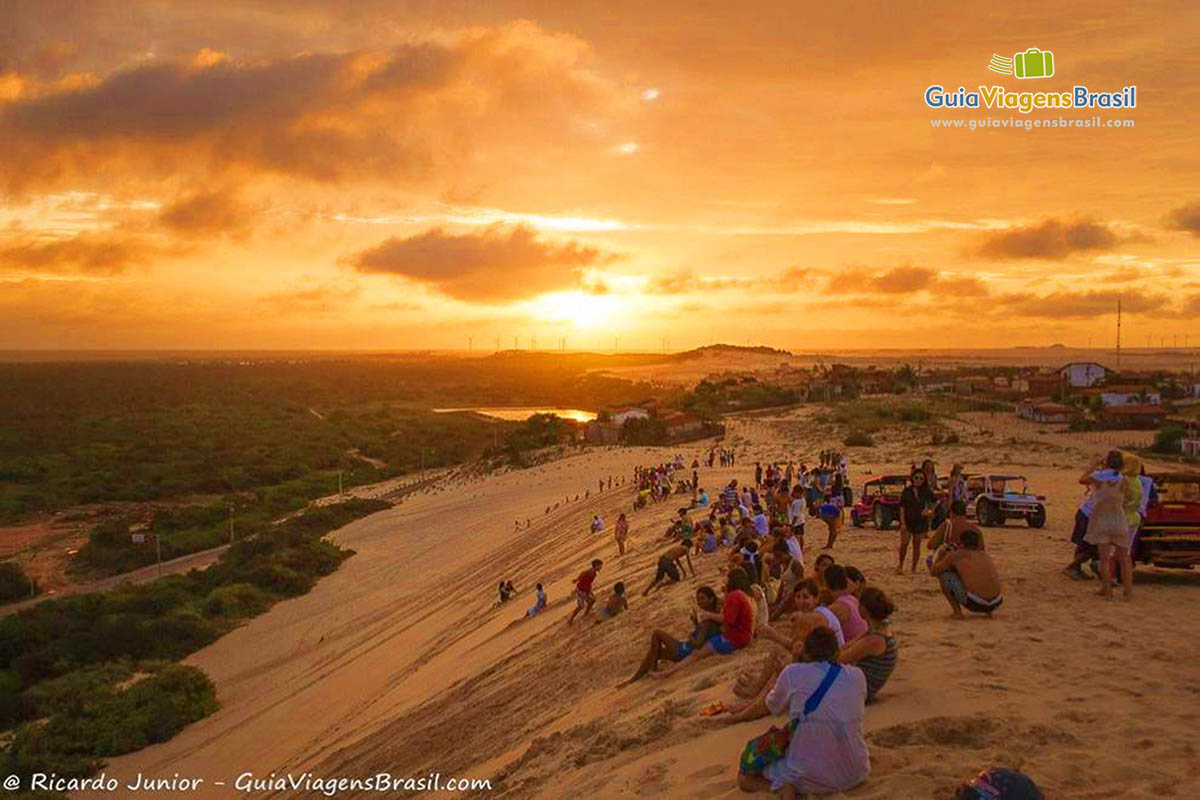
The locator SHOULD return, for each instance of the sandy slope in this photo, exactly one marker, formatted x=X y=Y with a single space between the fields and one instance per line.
x=400 y=663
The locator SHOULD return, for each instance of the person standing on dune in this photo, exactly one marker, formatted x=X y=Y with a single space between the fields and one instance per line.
x=584 y=599
x=621 y=533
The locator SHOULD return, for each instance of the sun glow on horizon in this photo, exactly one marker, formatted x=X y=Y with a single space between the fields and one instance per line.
x=581 y=310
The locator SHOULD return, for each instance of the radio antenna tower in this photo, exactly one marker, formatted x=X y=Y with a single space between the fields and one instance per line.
x=1118 y=333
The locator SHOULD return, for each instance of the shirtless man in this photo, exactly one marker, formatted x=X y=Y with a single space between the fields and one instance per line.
x=670 y=565
x=969 y=578
x=948 y=535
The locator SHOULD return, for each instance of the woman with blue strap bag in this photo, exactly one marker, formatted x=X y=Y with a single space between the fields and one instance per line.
x=821 y=750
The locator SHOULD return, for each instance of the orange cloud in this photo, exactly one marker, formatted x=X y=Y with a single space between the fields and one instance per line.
x=1185 y=218
x=413 y=112
x=1049 y=239
x=91 y=253
x=494 y=265
x=1066 y=304
x=902 y=280
x=206 y=214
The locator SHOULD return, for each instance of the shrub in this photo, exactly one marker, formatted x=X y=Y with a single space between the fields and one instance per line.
x=109 y=722
x=858 y=439
x=1168 y=440
x=14 y=583
x=236 y=601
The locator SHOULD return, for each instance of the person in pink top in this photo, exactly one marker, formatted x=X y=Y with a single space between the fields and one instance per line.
x=845 y=604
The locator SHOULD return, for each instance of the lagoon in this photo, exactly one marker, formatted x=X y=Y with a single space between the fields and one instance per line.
x=522 y=413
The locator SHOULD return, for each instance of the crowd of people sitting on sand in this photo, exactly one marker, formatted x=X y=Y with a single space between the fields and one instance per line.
x=831 y=649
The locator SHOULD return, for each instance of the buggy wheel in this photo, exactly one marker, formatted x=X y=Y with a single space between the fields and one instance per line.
x=983 y=512
x=855 y=520
x=1037 y=518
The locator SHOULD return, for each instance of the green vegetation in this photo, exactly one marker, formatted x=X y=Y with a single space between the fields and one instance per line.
x=644 y=431
x=74 y=433
x=1168 y=440
x=708 y=400
x=540 y=430
x=858 y=439
x=86 y=677
x=15 y=584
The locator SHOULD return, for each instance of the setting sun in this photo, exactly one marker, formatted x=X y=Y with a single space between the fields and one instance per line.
x=581 y=310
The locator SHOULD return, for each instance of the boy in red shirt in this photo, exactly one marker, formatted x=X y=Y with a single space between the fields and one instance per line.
x=584 y=599
x=736 y=618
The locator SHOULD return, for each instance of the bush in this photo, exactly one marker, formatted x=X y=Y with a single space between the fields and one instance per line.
x=109 y=721
x=15 y=584
x=858 y=439
x=1168 y=439
x=236 y=601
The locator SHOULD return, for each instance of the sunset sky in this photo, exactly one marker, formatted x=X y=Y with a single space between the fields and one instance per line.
x=385 y=175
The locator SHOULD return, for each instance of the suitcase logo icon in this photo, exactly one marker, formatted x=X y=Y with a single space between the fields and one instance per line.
x=1033 y=63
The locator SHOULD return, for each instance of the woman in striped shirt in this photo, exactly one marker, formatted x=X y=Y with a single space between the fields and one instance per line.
x=875 y=652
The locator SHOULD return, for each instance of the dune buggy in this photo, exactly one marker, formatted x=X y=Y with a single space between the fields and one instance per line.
x=999 y=498
x=1170 y=533
x=879 y=502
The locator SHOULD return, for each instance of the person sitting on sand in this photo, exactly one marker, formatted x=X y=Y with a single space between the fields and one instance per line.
x=615 y=604
x=584 y=599
x=670 y=566
x=737 y=623
x=969 y=578
x=822 y=749
x=621 y=533
x=785 y=600
x=538 y=604
x=875 y=652
x=597 y=524
x=702 y=500
x=855 y=580
x=794 y=548
x=506 y=592
x=664 y=647
x=708 y=539
x=728 y=532
x=686 y=529
x=845 y=604
x=823 y=562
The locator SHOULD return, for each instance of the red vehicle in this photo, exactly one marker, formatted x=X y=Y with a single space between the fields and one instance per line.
x=1170 y=533
x=879 y=502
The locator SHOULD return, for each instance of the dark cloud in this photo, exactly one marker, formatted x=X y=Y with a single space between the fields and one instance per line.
x=903 y=280
x=1050 y=239
x=494 y=265
x=900 y=281
x=1067 y=304
x=206 y=214
x=91 y=253
x=1185 y=218
x=326 y=116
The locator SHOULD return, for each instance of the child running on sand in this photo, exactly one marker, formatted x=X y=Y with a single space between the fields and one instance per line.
x=615 y=604
x=584 y=599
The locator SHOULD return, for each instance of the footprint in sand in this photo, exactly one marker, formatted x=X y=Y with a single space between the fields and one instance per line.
x=709 y=772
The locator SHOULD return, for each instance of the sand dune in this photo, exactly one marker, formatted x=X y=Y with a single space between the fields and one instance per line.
x=400 y=662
